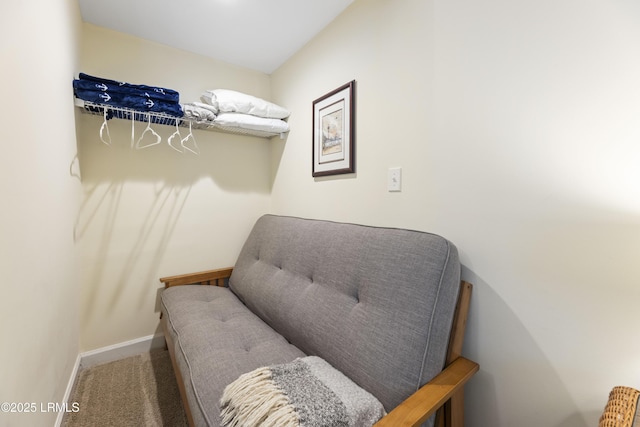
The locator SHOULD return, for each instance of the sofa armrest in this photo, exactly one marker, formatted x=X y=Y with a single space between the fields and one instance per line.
x=210 y=277
x=418 y=407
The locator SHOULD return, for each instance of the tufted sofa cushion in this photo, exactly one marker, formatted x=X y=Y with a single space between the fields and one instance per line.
x=216 y=340
x=376 y=303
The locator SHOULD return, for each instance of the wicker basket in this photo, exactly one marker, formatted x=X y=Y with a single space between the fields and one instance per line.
x=621 y=408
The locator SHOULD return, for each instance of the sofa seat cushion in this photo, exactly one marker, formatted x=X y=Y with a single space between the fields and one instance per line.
x=217 y=339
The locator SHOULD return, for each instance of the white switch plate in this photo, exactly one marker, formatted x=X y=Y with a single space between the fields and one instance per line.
x=394 y=179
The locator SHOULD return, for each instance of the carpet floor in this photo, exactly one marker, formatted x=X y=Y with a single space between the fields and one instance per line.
x=137 y=391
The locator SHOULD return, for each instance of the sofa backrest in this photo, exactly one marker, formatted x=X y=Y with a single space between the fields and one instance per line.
x=376 y=303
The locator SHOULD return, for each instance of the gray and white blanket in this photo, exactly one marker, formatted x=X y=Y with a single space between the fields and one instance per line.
x=307 y=392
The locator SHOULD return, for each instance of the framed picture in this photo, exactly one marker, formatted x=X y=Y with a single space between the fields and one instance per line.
x=333 y=150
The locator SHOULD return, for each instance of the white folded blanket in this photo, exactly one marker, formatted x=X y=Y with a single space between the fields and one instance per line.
x=198 y=113
x=212 y=108
x=247 y=121
x=307 y=392
x=230 y=101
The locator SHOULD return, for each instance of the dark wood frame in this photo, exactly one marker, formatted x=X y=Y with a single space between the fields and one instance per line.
x=443 y=395
x=349 y=146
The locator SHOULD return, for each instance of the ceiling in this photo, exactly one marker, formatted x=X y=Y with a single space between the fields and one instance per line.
x=256 y=34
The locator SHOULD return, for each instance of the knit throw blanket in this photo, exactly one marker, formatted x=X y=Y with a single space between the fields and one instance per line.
x=307 y=392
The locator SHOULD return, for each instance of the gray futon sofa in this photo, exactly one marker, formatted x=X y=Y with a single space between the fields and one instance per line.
x=378 y=304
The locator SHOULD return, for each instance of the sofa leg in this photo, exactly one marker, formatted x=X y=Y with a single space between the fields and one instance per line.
x=454 y=410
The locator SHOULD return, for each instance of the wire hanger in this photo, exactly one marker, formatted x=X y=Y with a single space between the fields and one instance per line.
x=153 y=132
x=173 y=135
x=196 y=149
x=103 y=127
x=133 y=128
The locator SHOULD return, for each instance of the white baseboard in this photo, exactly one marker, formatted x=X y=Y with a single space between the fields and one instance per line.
x=120 y=351
x=67 y=393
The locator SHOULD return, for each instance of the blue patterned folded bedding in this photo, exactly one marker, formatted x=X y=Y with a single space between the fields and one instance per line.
x=125 y=95
x=88 y=82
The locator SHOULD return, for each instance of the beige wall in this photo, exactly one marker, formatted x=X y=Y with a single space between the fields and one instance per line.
x=39 y=319
x=155 y=212
x=516 y=125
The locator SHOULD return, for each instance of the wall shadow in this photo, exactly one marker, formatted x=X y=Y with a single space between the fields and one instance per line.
x=140 y=206
x=516 y=381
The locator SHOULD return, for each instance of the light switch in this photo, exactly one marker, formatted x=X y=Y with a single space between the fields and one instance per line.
x=394 y=179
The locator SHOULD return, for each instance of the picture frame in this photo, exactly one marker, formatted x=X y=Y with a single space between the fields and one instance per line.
x=333 y=142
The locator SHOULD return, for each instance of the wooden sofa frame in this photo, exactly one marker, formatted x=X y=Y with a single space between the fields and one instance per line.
x=444 y=394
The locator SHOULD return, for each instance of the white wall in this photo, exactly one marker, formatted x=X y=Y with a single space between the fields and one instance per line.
x=39 y=319
x=516 y=125
x=155 y=212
